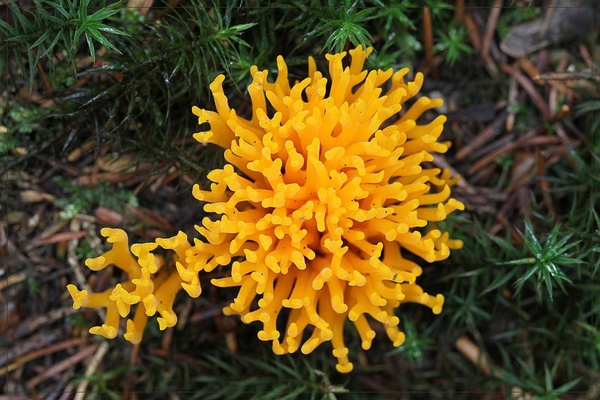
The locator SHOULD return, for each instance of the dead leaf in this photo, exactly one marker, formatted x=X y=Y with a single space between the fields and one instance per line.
x=33 y=196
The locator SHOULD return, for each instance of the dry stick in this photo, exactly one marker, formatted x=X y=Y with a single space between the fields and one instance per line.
x=20 y=351
x=459 y=7
x=560 y=132
x=184 y=314
x=80 y=151
x=474 y=354
x=12 y=279
x=61 y=366
x=146 y=181
x=473 y=31
x=535 y=74
x=58 y=388
x=89 y=371
x=482 y=162
x=151 y=217
x=585 y=54
x=513 y=92
x=167 y=339
x=528 y=87
x=522 y=170
x=504 y=140
x=586 y=74
x=152 y=183
x=476 y=40
x=545 y=185
x=51 y=230
x=3 y=240
x=490 y=132
x=59 y=164
x=67 y=392
x=189 y=180
x=542 y=62
x=510 y=200
x=562 y=112
x=530 y=139
x=142 y=6
x=483 y=176
x=553 y=102
x=45 y=80
x=131 y=375
x=67 y=344
x=428 y=42
x=113 y=177
x=173 y=174
x=378 y=387
x=490 y=28
x=96 y=166
x=531 y=69
x=562 y=64
x=547 y=18
x=179 y=357
x=32 y=324
x=43 y=75
x=204 y=315
x=59 y=237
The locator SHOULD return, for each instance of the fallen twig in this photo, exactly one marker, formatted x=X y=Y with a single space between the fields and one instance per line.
x=490 y=132
x=89 y=371
x=530 y=139
x=528 y=87
x=490 y=29
x=61 y=366
x=34 y=342
x=428 y=42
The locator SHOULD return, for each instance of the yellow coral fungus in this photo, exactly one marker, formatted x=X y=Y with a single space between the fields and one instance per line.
x=323 y=194
x=151 y=286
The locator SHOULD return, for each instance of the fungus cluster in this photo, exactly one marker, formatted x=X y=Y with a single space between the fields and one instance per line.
x=324 y=193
